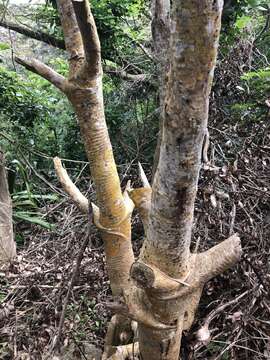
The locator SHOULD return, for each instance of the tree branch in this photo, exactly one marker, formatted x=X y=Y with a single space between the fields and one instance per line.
x=72 y=35
x=89 y=34
x=143 y=177
x=142 y=201
x=60 y=44
x=218 y=259
x=70 y=188
x=124 y=75
x=33 y=34
x=43 y=70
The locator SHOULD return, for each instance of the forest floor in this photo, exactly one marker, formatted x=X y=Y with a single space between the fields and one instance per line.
x=234 y=192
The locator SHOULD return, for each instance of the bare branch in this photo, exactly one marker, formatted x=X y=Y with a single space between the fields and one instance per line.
x=70 y=188
x=33 y=34
x=89 y=34
x=142 y=200
x=124 y=75
x=60 y=44
x=219 y=258
x=43 y=70
x=72 y=35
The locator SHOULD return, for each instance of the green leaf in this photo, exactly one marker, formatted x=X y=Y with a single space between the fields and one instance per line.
x=25 y=195
x=26 y=202
x=253 y=3
x=33 y=219
x=242 y=22
x=4 y=46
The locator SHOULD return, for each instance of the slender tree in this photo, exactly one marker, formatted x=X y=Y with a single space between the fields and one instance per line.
x=7 y=243
x=160 y=291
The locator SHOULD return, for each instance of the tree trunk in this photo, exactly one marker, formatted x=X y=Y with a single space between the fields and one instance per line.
x=172 y=278
x=7 y=244
x=162 y=289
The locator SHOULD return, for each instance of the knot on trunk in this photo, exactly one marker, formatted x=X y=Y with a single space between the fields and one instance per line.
x=183 y=294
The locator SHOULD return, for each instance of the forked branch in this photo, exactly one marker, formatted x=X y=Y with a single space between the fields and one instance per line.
x=89 y=33
x=72 y=35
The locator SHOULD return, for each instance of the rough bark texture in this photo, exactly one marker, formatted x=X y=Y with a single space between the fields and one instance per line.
x=7 y=244
x=84 y=90
x=161 y=35
x=193 y=47
x=170 y=277
x=161 y=28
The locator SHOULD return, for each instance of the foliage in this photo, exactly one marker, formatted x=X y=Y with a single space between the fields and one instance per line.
x=4 y=46
x=114 y=18
x=25 y=201
x=256 y=85
x=241 y=18
x=37 y=115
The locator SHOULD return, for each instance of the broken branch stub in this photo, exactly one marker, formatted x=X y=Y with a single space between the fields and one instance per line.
x=70 y=188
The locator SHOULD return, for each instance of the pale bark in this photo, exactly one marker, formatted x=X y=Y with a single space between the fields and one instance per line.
x=160 y=27
x=43 y=70
x=170 y=278
x=84 y=90
x=7 y=243
x=70 y=188
x=193 y=47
